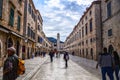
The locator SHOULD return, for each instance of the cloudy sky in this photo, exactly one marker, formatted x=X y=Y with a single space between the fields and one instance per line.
x=60 y=16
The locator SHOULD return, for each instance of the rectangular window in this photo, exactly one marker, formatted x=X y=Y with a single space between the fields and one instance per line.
x=110 y=32
x=33 y=35
x=18 y=24
x=28 y=31
x=91 y=40
x=19 y=1
x=86 y=41
x=1 y=4
x=82 y=31
x=91 y=25
x=38 y=39
x=11 y=17
x=29 y=8
x=109 y=9
x=86 y=30
x=39 y=27
x=90 y=13
x=32 y=13
x=41 y=40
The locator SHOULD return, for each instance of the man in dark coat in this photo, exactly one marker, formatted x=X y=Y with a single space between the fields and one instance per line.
x=66 y=58
x=10 y=65
x=51 y=54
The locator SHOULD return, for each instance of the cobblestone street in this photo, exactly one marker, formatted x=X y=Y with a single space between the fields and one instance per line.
x=40 y=68
x=57 y=71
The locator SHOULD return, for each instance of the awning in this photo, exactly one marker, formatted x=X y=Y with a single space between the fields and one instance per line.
x=17 y=35
x=9 y=31
x=4 y=30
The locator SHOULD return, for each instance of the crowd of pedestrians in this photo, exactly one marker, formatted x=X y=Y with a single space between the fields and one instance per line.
x=108 y=62
x=52 y=53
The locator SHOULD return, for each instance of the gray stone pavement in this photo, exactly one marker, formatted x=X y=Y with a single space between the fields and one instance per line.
x=57 y=71
x=89 y=65
x=31 y=65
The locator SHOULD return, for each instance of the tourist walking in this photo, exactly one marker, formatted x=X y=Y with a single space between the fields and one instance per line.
x=117 y=63
x=66 y=58
x=119 y=74
x=106 y=63
x=51 y=54
x=10 y=65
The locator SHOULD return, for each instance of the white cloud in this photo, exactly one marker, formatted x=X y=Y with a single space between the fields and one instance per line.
x=54 y=3
x=57 y=19
x=82 y=2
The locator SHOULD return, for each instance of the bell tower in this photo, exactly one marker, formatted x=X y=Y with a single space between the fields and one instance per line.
x=58 y=41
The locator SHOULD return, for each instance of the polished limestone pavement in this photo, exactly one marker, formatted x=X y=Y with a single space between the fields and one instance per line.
x=56 y=71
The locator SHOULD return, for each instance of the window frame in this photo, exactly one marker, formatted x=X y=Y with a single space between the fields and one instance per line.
x=11 y=17
x=110 y=32
x=109 y=10
x=91 y=25
x=86 y=29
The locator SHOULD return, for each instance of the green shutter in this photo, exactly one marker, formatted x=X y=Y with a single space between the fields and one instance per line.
x=11 y=21
x=1 y=4
x=18 y=25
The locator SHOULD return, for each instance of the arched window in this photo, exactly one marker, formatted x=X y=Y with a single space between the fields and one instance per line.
x=110 y=49
x=10 y=42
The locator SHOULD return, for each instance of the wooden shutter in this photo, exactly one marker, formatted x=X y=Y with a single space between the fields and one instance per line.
x=1 y=4
x=11 y=21
x=18 y=25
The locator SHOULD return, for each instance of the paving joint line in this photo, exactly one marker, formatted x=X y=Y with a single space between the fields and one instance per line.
x=32 y=73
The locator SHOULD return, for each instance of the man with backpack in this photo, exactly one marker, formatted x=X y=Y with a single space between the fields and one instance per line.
x=66 y=58
x=10 y=65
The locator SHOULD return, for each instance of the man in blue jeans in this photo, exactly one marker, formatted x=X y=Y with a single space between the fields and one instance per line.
x=105 y=61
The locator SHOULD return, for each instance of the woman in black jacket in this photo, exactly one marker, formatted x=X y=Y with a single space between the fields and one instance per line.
x=117 y=63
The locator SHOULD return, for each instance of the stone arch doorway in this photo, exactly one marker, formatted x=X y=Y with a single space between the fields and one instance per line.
x=0 y=49
x=28 y=55
x=110 y=49
x=17 y=47
x=1 y=59
x=91 y=52
x=10 y=42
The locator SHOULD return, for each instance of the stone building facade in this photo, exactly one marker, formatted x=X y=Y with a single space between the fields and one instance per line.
x=46 y=44
x=85 y=39
x=29 y=29
x=20 y=25
x=11 y=26
x=111 y=24
x=42 y=44
x=39 y=31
